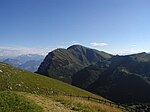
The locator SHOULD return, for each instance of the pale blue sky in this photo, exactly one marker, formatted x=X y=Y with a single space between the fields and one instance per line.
x=115 y=26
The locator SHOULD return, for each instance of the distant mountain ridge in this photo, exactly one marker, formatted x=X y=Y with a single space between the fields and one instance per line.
x=28 y=62
x=123 y=79
x=28 y=57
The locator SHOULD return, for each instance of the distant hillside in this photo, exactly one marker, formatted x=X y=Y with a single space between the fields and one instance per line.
x=123 y=79
x=31 y=65
x=28 y=62
x=28 y=57
x=13 y=62
x=63 y=63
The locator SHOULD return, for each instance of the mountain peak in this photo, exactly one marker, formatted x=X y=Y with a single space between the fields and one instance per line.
x=70 y=60
x=76 y=46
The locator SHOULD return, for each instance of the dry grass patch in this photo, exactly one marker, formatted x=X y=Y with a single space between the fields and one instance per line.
x=59 y=103
x=83 y=105
x=46 y=103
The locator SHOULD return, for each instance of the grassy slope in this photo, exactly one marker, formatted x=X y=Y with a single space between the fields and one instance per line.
x=13 y=79
x=20 y=80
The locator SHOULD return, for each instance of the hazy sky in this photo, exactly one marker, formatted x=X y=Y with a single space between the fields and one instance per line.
x=115 y=26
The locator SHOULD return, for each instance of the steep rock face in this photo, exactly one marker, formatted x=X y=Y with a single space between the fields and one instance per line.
x=63 y=63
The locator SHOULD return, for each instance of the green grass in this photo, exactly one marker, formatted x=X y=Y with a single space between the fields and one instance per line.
x=11 y=102
x=14 y=79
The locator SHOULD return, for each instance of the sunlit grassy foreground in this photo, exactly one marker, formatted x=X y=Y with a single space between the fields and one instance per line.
x=23 y=91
